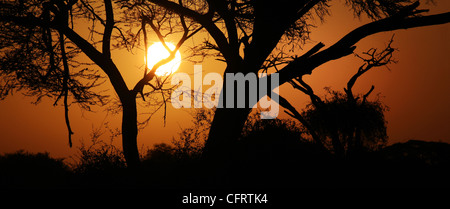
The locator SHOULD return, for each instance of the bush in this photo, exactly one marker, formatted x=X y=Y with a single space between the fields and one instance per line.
x=99 y=158
x=349 y=125
x=23 y=169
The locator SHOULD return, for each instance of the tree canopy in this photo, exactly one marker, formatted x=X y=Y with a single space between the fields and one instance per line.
x=40 y=40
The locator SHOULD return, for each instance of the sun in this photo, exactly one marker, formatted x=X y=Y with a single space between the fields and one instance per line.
x=158 y=52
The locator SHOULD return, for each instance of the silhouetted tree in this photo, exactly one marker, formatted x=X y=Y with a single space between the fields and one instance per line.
x=345 y=123
x=351 y=127
x=256 y=35
x=39 y=42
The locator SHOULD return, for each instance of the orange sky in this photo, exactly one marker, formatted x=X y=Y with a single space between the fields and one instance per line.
x=416 y=90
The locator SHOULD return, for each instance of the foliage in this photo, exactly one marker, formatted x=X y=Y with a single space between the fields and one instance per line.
x=356 y=124
x=191 y=140
x=24 y=169
x=278 y=129
x=39 y=43
x=31 y=60
x=99 y=157
x=162 y=153
x=275 y=141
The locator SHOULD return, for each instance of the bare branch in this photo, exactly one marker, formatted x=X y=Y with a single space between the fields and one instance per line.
x=144 y=32
x=109 y=26
x=91 y=10
x=345 y=46
x=204 y=20
x=367 y=94
x=310 y=92
x=149 y=76
x=295 y=114
x=374 y=59
x=65 y=90
x=158 y=33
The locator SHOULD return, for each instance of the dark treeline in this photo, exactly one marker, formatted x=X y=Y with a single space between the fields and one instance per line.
x=270 y=154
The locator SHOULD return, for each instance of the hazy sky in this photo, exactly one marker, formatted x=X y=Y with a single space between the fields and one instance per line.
x=415 y=89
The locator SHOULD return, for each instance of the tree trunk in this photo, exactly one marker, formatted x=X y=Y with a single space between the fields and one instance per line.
x=227 y=124
x=129 y=132
x=225 y=130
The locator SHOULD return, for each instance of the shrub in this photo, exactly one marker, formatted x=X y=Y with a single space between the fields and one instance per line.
x=23 y=169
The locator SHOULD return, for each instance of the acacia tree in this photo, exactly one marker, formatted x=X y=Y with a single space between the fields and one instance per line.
x=40 y=41
x=256 y=35
x=346 y=124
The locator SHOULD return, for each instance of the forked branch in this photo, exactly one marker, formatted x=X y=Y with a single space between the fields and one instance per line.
x=375 y=59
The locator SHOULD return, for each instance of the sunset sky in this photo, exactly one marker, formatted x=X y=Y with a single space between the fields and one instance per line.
x=415 y=89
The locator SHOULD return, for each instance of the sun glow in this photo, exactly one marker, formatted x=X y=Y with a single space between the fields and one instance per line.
x=158 y=52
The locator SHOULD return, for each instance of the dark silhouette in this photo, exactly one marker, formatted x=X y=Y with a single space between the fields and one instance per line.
x=26 y=170
x=349 y=123
x=261 y=29
x=40 y=42
x=416 y=152
x=98 y=159
x=271 y=154
x=340 y=141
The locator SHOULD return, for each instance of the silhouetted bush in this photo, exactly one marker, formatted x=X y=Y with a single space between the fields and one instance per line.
x=98 y=158
x=189 y=144
x=23 y=169
x=278 y=140
x=417 y=164
x=349 y=125
x=100 y=164
x=274 y=153
x=161 y=153
x=269 y=154
x=417 y=152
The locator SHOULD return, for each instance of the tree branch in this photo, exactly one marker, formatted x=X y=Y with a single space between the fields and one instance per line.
x=105 y=63
x=205 y=20
x=65 y=90
x=375 y=60
x=345 y=46
x=367 y=94
x=295 y=114
x=222 y=8
x=149 y=76
x=109 y=26
x=144 y=32
x=91 y=10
